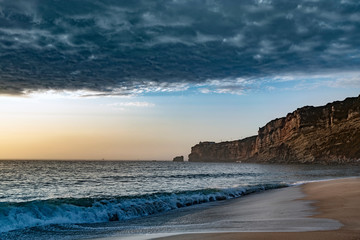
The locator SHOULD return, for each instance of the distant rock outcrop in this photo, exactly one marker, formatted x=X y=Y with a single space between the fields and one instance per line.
x=178 y=159
x=327 y=134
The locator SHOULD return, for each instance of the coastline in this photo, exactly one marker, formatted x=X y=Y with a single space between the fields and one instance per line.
x=334 y=199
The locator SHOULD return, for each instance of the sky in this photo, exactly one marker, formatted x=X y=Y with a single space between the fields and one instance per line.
x=146 y=79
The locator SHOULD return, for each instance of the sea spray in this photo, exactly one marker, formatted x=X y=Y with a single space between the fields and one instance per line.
x=22 y=215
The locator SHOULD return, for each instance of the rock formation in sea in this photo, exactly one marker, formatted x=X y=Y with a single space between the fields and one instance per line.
x=178 y=159
x=327 y=134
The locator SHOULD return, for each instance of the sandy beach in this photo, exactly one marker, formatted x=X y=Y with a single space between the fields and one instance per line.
x=336 y=199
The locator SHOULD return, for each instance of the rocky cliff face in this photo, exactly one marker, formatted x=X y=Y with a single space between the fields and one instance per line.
x=326 y=134
x=225 y=151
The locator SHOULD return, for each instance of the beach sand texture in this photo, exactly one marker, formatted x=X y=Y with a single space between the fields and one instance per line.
x=336 y=199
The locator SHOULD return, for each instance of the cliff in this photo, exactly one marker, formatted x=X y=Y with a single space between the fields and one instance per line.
x=327 y=134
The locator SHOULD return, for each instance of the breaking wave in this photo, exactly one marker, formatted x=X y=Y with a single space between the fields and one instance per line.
x=14 y=216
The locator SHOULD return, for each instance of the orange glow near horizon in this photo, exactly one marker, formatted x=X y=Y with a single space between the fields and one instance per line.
x=51 y=126
x=43 y=128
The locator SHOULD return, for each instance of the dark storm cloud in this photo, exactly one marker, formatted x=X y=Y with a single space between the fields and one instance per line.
x=127 y=45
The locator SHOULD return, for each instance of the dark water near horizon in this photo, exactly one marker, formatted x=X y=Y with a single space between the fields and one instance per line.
x=37 y=198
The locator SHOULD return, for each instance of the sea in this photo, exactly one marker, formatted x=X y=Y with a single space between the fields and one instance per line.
x=94 y=199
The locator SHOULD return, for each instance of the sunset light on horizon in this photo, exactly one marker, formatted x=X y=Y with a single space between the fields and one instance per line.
x=179 y=119
x=146 y=80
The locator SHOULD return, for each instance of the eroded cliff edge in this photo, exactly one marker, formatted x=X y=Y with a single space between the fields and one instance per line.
x=327 y=134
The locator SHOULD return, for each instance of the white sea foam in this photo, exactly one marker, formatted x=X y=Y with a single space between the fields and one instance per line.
x=319 y=180
x=94 y=210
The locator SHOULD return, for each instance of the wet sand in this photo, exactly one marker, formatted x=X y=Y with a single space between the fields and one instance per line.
x=336 y=201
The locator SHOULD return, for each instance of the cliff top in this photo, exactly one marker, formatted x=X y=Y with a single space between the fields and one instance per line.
x=328 y=134
x=315 y=112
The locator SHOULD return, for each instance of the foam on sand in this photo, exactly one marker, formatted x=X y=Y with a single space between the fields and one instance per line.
x=337 y=199
x=274 y=211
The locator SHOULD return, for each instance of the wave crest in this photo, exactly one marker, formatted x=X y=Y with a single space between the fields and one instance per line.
x=22 y=215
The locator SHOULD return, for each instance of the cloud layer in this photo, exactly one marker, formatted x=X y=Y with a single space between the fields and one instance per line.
x=122 y=47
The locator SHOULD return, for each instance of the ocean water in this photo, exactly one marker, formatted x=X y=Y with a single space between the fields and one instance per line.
x=84 y=199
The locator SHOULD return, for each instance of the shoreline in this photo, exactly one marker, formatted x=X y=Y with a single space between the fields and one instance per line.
x=297 y=212
x=334 y=199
